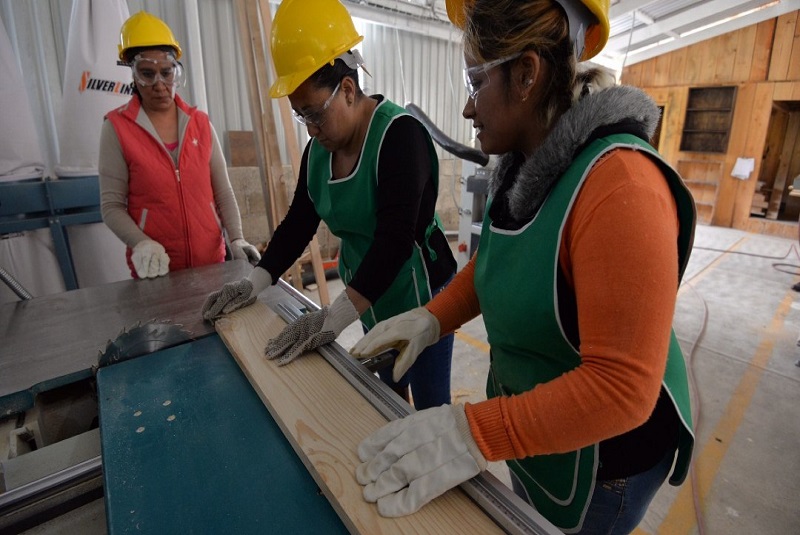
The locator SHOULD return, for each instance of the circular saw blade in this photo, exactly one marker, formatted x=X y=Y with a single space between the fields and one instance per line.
x=142 y=339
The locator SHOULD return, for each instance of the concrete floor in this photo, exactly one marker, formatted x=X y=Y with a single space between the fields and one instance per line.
x=738 y=321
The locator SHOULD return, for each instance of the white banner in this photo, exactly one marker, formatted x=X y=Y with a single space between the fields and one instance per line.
x=93 y=82
x=93 y=85
x=20 y=152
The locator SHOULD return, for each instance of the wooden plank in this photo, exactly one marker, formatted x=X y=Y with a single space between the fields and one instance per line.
x=694 y=61
x=632 y=75
x=662 y=70
x=648 y=73
x=677 y=66
x=782 y=47
x=762 y=50
x=755 y=140
x=324 y=419
x=794 y=59
x=726 y=49
x=746 y=40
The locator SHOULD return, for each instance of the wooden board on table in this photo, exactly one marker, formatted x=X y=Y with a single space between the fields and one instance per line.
x=324 y=418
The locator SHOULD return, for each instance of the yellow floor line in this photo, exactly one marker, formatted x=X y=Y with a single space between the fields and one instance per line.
x=680 y=518
x=707 y=269
x=474 y=342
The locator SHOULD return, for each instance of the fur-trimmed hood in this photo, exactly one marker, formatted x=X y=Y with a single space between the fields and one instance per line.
x=535 y=177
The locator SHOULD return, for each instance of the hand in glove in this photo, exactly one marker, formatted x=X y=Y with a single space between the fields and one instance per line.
x=411 y=461
x=312 y=330
x=150 y=260
x=235 y=295
x=410 y=333
x=242 y=250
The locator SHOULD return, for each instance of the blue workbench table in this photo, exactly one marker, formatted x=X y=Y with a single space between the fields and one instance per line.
x=188 y=447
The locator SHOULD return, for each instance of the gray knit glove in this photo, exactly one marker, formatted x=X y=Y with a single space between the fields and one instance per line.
x=236 y=295
x=312 y=330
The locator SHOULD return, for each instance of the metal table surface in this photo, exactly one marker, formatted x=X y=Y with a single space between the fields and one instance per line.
x=54 y=340
x=189 y=447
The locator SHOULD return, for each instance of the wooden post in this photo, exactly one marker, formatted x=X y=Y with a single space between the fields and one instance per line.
x=254 y=21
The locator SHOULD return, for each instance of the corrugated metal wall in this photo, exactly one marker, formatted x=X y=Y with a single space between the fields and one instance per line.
x=405 y=66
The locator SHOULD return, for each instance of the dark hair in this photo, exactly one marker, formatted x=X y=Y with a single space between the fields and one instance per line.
x=329 y=75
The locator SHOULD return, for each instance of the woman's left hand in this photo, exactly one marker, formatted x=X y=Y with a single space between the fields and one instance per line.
x=242 y=250
x=411 y=461
x=312 y=330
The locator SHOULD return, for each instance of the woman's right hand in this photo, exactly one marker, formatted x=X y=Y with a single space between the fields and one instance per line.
x=236 y=295
x=410 y=333
x=150 y=260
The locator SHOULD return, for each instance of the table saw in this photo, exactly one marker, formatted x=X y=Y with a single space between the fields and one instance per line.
x=184 y=443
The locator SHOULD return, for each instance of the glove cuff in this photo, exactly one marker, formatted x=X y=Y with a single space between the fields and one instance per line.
x=341 y=313
x=260 y=278
x=434 y=329
x=462 y=425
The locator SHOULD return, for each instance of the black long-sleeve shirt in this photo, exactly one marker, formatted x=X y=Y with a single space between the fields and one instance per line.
x=406 y=200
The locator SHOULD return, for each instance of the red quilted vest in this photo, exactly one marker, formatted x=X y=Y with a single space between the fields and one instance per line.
x=173 y=206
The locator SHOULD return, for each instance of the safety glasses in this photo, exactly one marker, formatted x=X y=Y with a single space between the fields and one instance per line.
x=477 y=77
x=316 y=118
x=148 y=72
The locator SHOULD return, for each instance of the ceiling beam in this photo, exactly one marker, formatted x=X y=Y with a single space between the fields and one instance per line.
x=786 y=6
x=668 y=24
x=416 y=19
x=623 y=7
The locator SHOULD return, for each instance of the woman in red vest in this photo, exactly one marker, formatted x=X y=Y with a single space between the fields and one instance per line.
x=164 y=183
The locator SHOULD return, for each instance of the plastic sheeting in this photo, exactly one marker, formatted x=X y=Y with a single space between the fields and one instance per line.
x=20 y=153
x=30 y=258
x=93 y=85
x=93 y=82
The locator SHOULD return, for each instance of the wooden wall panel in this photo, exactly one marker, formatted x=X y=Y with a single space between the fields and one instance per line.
x=755 y=138
x=677 y=67
x=782 y=47
x=694 y=64
x=726 y=51
x=745 y=47
x=662 y=69
x=765 y=32
x=794 y=59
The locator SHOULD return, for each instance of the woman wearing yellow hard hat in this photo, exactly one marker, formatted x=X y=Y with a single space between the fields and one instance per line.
x=163 y=179
x=586 y=235
x=371 y=173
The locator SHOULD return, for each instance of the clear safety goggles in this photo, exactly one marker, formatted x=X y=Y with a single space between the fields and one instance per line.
x=477 y=77
x=316 y=118
x=148 y=72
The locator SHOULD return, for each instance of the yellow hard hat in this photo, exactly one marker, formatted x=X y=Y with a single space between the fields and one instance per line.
x=145 y=30
x=596 y=33
x=307 y=34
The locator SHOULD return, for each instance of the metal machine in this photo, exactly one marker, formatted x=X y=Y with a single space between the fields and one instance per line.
x=122 y=392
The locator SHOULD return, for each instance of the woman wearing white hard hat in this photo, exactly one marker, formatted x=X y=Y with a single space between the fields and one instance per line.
x=586 y=235
x=164 y=183
x=370 y=172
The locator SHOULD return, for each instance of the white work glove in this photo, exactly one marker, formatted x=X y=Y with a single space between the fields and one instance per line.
x=410 y=333
x=409 y=462
x=150 y=260
x=312 y=330
x=236 y=295
x=241 y=250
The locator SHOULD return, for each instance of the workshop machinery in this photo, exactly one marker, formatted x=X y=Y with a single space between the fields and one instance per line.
x=122 y=392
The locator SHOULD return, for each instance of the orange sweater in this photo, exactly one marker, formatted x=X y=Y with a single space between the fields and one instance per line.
x=619 y=253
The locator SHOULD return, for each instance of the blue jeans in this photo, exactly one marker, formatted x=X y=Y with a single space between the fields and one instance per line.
x=618 y=505
x=429 y=377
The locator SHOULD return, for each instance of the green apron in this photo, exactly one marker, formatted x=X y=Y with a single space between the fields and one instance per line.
x=529 y=346
x=349 y=207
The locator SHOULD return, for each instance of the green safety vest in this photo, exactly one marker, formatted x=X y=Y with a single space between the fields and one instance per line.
x=529 y=346
x=349 y=207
